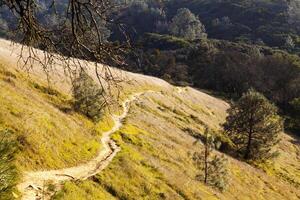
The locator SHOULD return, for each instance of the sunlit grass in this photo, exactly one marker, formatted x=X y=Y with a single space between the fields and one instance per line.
x=49 y=133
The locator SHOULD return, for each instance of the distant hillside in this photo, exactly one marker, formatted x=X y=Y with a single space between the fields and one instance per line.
x=248 y=20
x=273 y=23
x=227 y=68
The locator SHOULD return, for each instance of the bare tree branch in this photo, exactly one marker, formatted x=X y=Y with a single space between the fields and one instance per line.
x=79 y=31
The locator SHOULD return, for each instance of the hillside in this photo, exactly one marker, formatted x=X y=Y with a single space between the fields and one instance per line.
x=156 y=139
x=250 y=21
x=272 y=23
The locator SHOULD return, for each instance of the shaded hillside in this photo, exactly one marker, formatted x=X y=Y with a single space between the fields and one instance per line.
x=273 y=23
x=249 y=20
x=228 y=68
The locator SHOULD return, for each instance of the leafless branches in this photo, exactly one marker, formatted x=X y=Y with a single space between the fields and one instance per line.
x=69 y=29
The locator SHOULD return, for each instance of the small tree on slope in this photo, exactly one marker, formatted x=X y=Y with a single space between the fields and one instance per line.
x=88 y=96
x=214 y=167
x=253 y=125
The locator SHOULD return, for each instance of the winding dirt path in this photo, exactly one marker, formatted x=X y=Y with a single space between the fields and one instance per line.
x=32 y=183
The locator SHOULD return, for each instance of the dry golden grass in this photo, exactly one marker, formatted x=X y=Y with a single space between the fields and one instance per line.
x=155 y=158
x=156 y=145
x=49 y=135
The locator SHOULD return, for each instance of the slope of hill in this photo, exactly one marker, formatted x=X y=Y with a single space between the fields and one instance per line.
x=155 y=158
x=156 y=140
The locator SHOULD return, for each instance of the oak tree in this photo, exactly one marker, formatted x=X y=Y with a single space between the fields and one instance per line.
x=185 y=24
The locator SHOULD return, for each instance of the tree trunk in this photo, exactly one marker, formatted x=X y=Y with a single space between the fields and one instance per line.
x=248 y=148
x=249 y=143
x=206 y=162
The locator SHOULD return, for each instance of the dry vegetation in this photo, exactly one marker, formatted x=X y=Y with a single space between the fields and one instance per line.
x=157 y=141
x=155 y=160
x=49 y=133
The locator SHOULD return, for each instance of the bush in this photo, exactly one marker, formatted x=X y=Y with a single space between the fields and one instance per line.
x=8 y=171
x=213 y=168
x=293 y=121
x=88 y=96
x=163 y=42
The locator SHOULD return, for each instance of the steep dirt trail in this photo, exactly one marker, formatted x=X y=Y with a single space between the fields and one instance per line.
x=33 y=183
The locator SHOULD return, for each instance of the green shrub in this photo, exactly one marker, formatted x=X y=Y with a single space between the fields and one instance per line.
x=213 y=169
x=164 y=42
x=8 y=171
x=88 y=97
x=293 y=121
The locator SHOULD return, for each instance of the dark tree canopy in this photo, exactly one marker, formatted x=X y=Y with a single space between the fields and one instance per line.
x=293 y=122
x=185 y=24
x=253 y=125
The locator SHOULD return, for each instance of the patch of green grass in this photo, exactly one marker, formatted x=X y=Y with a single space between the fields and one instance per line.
x=131 y=175
x=45 y=89
x=155 y=158
x=154 y=40
x=82 y=190
x=105 y=124
x=140 y=179
x=52 y=95
x=9 y=175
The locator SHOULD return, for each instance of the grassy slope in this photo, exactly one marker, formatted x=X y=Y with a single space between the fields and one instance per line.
x=48 y=136
x=155 y=157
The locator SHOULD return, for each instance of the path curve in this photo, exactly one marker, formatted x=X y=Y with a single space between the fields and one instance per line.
x=32 y=183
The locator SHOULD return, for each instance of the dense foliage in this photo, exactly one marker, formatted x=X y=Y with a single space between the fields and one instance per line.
x=263 y=22
x=235 y=68
x=274 y=23
x=227 y=68
x=293 y=122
